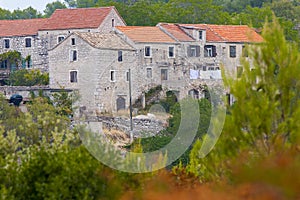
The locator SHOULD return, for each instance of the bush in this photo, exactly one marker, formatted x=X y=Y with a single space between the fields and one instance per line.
x=25 y=77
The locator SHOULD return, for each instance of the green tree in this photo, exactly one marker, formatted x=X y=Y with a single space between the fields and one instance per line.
x=51 y=7
x=264 y=120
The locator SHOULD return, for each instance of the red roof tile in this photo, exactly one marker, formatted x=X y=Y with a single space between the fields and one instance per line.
x=176 y=32
x=147 y=34
x=77 y=18
x=228 y=33
x=21 y=27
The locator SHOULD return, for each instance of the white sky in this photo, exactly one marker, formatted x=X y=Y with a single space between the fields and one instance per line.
x=11 y=5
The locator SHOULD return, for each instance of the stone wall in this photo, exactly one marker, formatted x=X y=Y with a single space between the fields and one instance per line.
x=37 y=51
x=142 y=127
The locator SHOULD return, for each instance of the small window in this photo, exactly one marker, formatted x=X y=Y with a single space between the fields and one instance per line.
x=6 y=43
x=73 y=77
x=112 y=76
x=3 y=64
x=73 y=55
x=27 y=42
x=113 y=23
x=200 y=35
x=232 y=51
x=210 y=51
x=127 y=76
x=204 y=68
x=147 y=51
x=194 y=51
x=120 y=56
x=73 y=41
x=149 y=72
x=164 y=74
x=171 y=52
x=60 y=38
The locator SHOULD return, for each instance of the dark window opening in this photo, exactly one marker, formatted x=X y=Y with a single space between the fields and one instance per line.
x=232 y=51
x=73 y=76
x=120 y=56
x=210 y=51
x=6 y=43
x=171 y=52
x=147 y=51
x=113 y=23
x=60 y=38
x=200 y=35
x=73 y=41
x=28 y=42
x=73 y=55
x=112 y=76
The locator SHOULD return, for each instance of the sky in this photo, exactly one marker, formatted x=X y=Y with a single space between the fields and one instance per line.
x=11 y=5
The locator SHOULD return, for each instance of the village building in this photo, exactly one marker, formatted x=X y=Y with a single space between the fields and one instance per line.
x=91 y=50
x=32 y=38
x=97 y=66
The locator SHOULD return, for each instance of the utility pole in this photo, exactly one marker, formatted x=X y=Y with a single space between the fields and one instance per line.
x=130 y=107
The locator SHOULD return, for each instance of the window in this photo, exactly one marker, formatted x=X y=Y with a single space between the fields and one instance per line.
x=60 y=38
x=171 y=52
x=164 y=74
x=73 y=77
x=73 y=41
x=3 y=64
x=149 y=72
x=6 y=43
x=210 y=51
x=147 y=51
x=232 y=51
x=200 y=35
x=244 y=51
x=127 y=76
x=27 y=42
x=113 y=23
x=112 y=76
x=120 y=56
x=194 y=51
x=73 y=55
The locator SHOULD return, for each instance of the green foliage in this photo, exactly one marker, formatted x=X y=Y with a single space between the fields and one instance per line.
x=28 y=78
x=264 y=120
x=51 y=7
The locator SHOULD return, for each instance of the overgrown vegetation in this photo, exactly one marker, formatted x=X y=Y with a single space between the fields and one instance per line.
x=24 y=77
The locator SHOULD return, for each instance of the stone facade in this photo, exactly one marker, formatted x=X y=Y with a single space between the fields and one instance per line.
x=101 y=78
x=43 y=38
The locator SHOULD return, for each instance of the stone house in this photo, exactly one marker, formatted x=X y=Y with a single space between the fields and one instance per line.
x=160 y=57
x=97 y=65
x=34 y=37
x=21 y=36
x=211 y=47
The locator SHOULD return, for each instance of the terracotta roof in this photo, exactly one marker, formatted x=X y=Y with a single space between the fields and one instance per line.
x=227 y=33
x=77 y=18
x=176 y=32
x=146 y=34
x=105 y=41
x=21 y=27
